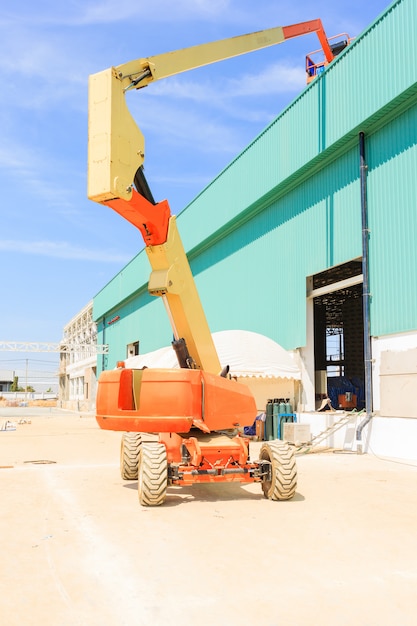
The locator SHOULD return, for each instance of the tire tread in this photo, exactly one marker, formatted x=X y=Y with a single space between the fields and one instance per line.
x=130 y=450
x=153 y=474
x=284 y=470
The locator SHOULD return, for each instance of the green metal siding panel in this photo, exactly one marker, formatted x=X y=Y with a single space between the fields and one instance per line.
x=285 y=146
x=280 y=150
x=131 y=279
x=374 y=70
x=255 y=278
x=392 y=202
x=337 y=189
x=142 y=319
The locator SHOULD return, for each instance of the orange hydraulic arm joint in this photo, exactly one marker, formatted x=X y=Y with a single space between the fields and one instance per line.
x=304 y=28
x=151 y=219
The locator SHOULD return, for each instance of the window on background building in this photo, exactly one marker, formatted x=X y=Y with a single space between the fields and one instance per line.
x=132 y=349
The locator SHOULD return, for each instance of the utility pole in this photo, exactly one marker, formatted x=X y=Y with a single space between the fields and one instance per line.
x=26 y=381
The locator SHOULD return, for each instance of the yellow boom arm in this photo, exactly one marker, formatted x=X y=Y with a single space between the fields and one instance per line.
x=116 y=152
x=116 y=145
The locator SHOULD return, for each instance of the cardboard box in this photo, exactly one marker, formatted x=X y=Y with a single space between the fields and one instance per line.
x=296 y=433
x=260 y=430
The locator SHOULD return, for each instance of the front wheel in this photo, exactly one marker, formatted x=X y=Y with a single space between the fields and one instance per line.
x=129 y=455
x=153 y=474
x=282 y=482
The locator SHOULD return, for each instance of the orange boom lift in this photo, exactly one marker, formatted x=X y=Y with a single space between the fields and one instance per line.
x=198 y=411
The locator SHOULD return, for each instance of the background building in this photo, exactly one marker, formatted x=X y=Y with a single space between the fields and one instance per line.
x=77 y=371
x=278 y=243
x=6 y=379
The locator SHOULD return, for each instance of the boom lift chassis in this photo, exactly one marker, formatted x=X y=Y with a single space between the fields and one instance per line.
x=180 y=426
x=204 y=460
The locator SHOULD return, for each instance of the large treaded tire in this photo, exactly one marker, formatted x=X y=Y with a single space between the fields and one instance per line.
x=153 y=474
x=283 y=481
x=130 y=448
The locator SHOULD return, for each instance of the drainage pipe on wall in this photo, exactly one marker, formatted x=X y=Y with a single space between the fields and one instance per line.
x=366 y=296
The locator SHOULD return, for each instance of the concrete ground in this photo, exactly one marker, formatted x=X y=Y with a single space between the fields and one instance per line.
x=77 y=548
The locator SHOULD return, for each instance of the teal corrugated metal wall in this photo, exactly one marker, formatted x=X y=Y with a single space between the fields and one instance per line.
x=392 y=201
x=289 y=205
x=142 y=319
x=375 y=70
x=130 y=280
x=255 y=278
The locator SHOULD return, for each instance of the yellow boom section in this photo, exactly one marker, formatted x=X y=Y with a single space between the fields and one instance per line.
x=116 y=147
x=172 y=279
x=178 y=61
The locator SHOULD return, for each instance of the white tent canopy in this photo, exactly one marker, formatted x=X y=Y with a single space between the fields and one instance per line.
x=248 y=354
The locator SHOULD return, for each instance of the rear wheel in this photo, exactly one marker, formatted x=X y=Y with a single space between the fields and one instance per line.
x=129 y=455
x=283 y=478
x=153 y=474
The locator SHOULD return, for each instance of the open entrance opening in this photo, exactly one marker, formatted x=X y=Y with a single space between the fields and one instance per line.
x=339 y=337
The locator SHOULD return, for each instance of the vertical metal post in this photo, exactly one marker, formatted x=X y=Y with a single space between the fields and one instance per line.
x=103 y=356
x=366 y=295
x=26 y=380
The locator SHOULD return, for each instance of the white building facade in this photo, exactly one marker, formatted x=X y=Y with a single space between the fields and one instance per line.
x=78 y=362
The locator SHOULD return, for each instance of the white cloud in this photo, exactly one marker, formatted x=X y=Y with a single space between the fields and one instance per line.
x=173 y=108
x=45 y=66
x=276 y=78
x=12 y=159
x=49 y=12
x=61 y=250
x=185 y=129
x=39 y=173
x=157 y=11
x=41 y=71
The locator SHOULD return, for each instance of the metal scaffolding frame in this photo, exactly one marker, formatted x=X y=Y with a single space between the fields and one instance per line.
x=45 y=346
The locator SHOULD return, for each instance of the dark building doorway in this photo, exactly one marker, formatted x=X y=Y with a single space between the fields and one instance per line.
x=339 y=336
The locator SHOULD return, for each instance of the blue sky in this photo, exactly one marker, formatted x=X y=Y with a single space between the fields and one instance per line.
x=57 y=248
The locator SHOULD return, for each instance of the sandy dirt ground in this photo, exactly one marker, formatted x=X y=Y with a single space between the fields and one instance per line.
x=77 y=549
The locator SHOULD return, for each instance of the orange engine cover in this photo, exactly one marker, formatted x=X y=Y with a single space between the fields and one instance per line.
x=168 y=400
